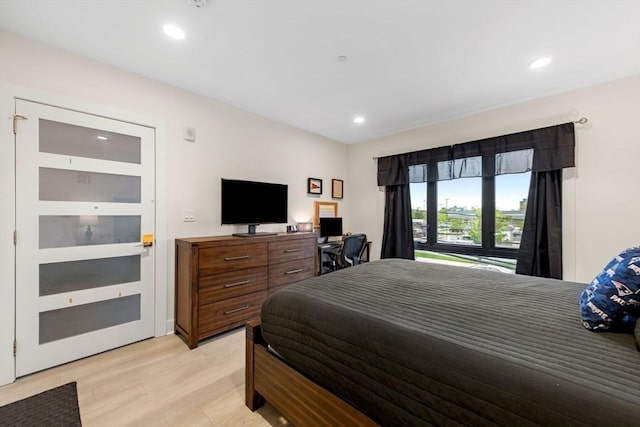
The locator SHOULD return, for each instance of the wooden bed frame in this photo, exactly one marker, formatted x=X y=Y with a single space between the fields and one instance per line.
x=300 y=400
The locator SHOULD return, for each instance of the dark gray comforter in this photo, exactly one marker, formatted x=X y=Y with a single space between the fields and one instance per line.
x=411 y=343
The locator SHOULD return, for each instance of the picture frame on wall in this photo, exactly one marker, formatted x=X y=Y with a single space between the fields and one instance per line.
x=314 y=186
x=337 y=188
x=324 y=210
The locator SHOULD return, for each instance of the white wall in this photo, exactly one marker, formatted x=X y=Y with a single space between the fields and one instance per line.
x=600 y=203
x=231 y=143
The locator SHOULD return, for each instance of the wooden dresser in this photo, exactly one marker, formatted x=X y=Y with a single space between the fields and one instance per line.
x=222 y=281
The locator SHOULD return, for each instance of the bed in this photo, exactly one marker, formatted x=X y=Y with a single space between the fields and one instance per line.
x=397 y=342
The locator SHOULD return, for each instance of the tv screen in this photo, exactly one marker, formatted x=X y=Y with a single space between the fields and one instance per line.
x=330 y=227
x=249 y=202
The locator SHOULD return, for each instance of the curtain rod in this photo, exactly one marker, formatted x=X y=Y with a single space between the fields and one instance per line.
x=580 y=121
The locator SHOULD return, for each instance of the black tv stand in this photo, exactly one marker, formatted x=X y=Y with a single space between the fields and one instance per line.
x=252 y=232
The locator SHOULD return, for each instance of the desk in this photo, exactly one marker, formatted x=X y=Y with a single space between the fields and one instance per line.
x=323 y=248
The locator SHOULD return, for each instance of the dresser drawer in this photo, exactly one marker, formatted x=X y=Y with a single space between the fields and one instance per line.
x=291 y=271
x=233 y=311
x=290 y=250
x=232 y=257
x=231 y=284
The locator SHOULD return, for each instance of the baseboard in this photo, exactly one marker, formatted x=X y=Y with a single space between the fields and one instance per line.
x=170 y=327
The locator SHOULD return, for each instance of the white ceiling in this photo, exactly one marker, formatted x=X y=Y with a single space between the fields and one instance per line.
x=409 y=62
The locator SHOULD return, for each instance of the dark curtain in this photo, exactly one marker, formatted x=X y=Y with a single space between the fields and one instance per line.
x=540 y=251
x=397 y=236
x=553 y=148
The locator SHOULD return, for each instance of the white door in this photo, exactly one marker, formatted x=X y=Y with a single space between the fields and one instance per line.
x=84 y=202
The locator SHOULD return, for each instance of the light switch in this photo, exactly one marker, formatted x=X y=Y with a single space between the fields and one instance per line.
x=189 y=215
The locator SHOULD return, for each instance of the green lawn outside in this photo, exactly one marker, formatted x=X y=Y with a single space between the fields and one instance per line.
x=462 y=260
x=433 y=255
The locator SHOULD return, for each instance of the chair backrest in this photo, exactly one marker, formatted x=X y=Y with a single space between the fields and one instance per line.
x=352 y=248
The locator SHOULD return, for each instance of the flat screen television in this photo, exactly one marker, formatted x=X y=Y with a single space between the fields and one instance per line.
x=330 y=227
x=253 y=203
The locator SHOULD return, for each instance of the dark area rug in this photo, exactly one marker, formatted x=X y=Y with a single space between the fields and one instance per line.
x=55 y=407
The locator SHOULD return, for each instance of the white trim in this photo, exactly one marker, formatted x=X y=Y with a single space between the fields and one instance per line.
x=7 y=223
x=8 y=94
x=161 y=239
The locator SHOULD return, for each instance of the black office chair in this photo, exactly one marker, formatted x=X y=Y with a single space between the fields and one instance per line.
x=350 y=253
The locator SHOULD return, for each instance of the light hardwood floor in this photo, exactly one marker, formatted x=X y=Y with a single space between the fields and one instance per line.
x=157 y=382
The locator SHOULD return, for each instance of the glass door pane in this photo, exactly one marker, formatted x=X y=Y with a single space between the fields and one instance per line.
x=69 y=276
x=63 y=231
x=80 y=141
x=80 y=319
x=79 y=186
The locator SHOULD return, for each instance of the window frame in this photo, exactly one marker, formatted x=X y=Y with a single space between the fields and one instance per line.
x=488 y=245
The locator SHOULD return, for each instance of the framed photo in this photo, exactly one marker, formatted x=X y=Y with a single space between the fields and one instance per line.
x=314 y=186
x=337 y=186
x=324 y=210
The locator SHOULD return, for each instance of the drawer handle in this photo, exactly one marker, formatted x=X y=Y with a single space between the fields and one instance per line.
x=231 y=285
x=288 y=251
x=234 y=258
x=293 y=271
x=235 y=310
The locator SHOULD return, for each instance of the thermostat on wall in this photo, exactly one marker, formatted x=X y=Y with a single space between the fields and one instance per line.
x=189 y=134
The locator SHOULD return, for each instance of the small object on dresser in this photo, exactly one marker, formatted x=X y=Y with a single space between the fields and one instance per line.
x=305 y=226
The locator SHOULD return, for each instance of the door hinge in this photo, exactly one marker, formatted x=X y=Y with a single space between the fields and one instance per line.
x=15 y=237
x=17 y=117
x=15 y=348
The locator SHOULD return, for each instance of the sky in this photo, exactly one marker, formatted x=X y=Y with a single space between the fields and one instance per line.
x=467 y=192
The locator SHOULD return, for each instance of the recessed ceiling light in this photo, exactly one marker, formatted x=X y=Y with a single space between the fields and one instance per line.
x=197 y=3
x=102 y=138
x=173 y=31
x=342 y=58
x=540 y=62
x=359 y=120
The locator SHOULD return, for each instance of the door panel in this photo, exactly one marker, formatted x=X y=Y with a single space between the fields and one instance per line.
x=78 y=186
x=63 y=323
x=69 y=276
x=74 y=140
x=61 y=231
x=85 y=196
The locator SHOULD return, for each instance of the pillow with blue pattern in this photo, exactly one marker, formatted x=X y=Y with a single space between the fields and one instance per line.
x=612 y=301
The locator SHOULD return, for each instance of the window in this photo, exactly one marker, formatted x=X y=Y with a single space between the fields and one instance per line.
x=419 y=212
x=477 y=221
x=460 y=211
x=511 y=205
x=496 y=234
